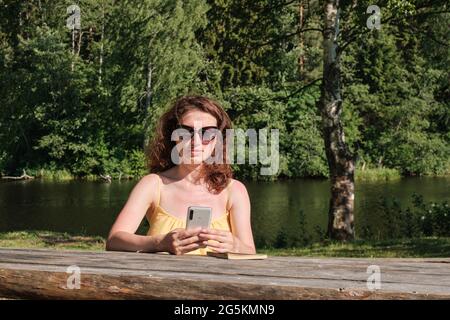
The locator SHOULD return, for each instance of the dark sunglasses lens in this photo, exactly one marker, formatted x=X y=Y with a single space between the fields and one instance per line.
x=208 y=134
x=185 y=132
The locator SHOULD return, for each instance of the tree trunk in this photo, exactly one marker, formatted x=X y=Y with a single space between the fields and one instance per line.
x=100 y=71
x=24 y=176
x=73 y=49
x=340 y=159
x=148 y=98
x=148 y=101
x=301 y=58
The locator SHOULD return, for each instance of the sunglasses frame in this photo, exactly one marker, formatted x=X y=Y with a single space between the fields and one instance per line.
x=202 y=130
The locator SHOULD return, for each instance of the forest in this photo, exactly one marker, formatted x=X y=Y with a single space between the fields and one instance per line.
x=83 y=99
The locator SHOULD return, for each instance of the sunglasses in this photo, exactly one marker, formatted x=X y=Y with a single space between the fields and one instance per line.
x=207 y=134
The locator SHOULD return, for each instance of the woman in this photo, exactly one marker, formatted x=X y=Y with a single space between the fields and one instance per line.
x=184 y=176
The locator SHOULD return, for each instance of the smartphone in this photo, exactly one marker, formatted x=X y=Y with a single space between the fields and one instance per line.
x=198 y=217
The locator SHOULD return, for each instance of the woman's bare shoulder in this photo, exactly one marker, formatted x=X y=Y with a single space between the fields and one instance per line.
x=145 y=192
x=239 y=200
x=167 y=175
x=238 y=189
x=237 y=185
x=150 y=179
x=147 y=184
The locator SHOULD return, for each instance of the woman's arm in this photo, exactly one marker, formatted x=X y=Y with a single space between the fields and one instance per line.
x=240 y=218
x=241 y=240
x=122 y=236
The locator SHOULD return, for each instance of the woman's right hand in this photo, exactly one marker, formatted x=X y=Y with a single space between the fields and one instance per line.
x=180 y=241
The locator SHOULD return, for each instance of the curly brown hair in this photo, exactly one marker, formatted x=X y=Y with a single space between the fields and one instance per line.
x=158 y=151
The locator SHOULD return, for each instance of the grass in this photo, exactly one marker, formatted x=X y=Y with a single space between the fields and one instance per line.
x=66 y=175
x=398 y=248
x=368 y=174
x=58 y=175
x=387 y=174
x=377 y=174
x=47 y=239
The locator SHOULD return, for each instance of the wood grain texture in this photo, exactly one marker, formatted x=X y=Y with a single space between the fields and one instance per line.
x=122 y=275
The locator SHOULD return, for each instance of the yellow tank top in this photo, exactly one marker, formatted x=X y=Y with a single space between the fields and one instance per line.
x=162 y=222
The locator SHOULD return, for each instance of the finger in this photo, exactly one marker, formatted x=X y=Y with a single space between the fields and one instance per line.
x=220 y=250
x=174 y=234
x=203 y=236
x=189 y=240
x=216 y=245
x=215 y=231
x=189 y=233
x=192 y=246
x=192 y=231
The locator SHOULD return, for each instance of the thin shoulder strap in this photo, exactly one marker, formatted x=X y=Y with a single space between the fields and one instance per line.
x=159 y=191
x=228 y=193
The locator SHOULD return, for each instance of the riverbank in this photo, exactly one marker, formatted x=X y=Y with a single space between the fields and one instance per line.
x=399 y=248
x=361 y=174
x=427 y=247
x=50 y=240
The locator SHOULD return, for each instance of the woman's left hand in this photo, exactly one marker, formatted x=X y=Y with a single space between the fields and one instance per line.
x=224 y=241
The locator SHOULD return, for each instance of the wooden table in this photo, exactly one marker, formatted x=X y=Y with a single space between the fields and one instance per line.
x=118 y=275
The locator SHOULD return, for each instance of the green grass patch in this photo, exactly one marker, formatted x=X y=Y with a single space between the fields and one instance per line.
x=53 y=240
x=426 y=247
x=377 y=174
x=51 y=174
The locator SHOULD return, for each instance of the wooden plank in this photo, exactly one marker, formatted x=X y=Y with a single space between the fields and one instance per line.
x=230 y=268
x=42 y=274
x=282 y=267
x=267 y=270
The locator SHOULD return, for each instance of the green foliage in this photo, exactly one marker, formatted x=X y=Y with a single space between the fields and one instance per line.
x=300 y=147
x=59 y=111
x=422 y=219
x=391 y=104
x=88 y=109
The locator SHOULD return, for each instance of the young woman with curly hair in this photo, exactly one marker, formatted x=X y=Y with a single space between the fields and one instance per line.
x=192 y=179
